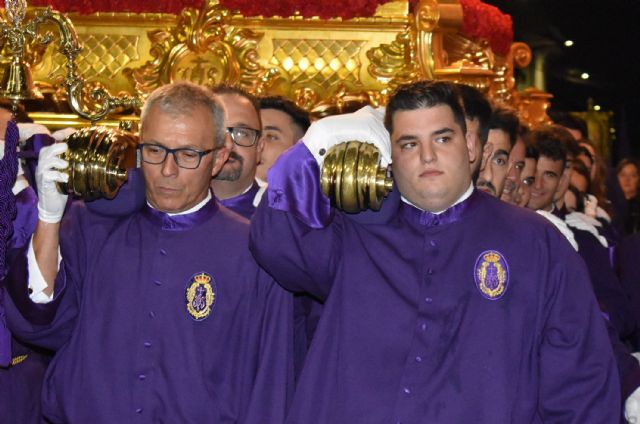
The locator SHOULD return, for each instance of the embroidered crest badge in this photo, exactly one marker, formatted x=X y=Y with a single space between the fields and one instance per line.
x=491 y=274
x=201 y=295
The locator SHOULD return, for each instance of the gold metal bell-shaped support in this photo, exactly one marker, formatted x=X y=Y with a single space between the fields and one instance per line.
x=353 y=178
x=16 y=83
x=98 y=161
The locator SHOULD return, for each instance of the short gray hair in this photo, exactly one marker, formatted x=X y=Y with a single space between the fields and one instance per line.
x=180 y=98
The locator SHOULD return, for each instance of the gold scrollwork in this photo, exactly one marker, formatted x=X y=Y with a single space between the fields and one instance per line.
x=206 y=49
x=395 y=63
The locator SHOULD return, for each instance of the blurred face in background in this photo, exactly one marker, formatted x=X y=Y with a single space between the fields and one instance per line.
x=628 y=178
x=527 y=179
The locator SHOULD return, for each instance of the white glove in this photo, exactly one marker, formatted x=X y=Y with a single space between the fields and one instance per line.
x=51 y=202
x=63 y=133
x=366 y=125
x=560 y=225
x=28 y=129
x=632 y=407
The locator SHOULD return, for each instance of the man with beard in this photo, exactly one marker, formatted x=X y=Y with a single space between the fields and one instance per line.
x=235 y=185
x=503 y=127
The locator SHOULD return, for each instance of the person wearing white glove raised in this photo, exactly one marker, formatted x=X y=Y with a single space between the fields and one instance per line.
x=142 y=302
x=438 y=314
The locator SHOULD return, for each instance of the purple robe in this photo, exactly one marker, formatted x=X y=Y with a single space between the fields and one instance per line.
x=243 y=204
x=421 y=326
x=160 y=319
x=21 y=384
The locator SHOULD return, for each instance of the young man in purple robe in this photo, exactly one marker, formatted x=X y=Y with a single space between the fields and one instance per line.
x=161 y=315
x=437 y=315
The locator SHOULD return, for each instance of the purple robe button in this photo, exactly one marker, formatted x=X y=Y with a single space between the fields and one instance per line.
x=418 y=358
x=157 y=283
x=152 y=314
x=432 y=243
x=163 y=252
x=428 y=299
x=142 y=377
x=147 y=344
x=406 y=391
x=139 y=410
x=423 y=327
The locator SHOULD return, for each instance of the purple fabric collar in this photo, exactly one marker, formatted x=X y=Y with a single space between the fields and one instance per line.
x=243 y=203
x=180 y=222
x=428 y=219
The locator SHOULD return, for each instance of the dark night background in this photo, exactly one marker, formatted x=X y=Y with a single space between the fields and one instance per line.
x=606 y=36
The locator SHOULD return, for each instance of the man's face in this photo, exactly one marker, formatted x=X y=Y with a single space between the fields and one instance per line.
x=514 y=174
x=547 y=178
x=628 y=178
x=240 y=168
x=493 y=175
x=279 y=132
x=528 y=178
x=431 y=156
x=170 y=188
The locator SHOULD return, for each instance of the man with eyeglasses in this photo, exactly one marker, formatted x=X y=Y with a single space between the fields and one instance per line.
x=235 y=185
x=162 y=315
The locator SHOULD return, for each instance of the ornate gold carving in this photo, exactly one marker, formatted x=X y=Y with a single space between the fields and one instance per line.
x=205 y=49
x=103 y=56
x=503 y=87
x=394 y=64
x=427 y=15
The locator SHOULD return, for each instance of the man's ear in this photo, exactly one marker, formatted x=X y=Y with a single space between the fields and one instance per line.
x=472 y=145
x=487 y=151
x=259 y=149
x=220 y=156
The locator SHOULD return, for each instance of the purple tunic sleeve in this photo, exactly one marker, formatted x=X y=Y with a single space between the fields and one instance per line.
x=49 y=325
x=294 y=233
x=574 y=387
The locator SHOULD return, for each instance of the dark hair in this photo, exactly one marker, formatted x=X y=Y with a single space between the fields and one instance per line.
x=425 y=95
x=625 y=162
x=299 y=116
x=551 y=141
x=225 y=88
x=20 y=113
x=579 y=198
x=567 y=120
x=505 y=119
x=580 y=168
x=476 y=106
x=531 y=151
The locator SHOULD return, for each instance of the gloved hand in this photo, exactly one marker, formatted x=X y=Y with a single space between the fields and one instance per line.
x=366 y=125
x=51 y=202
x=632 y=407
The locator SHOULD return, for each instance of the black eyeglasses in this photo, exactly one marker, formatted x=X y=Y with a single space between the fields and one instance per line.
x=244 y=136
x=156 y=154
